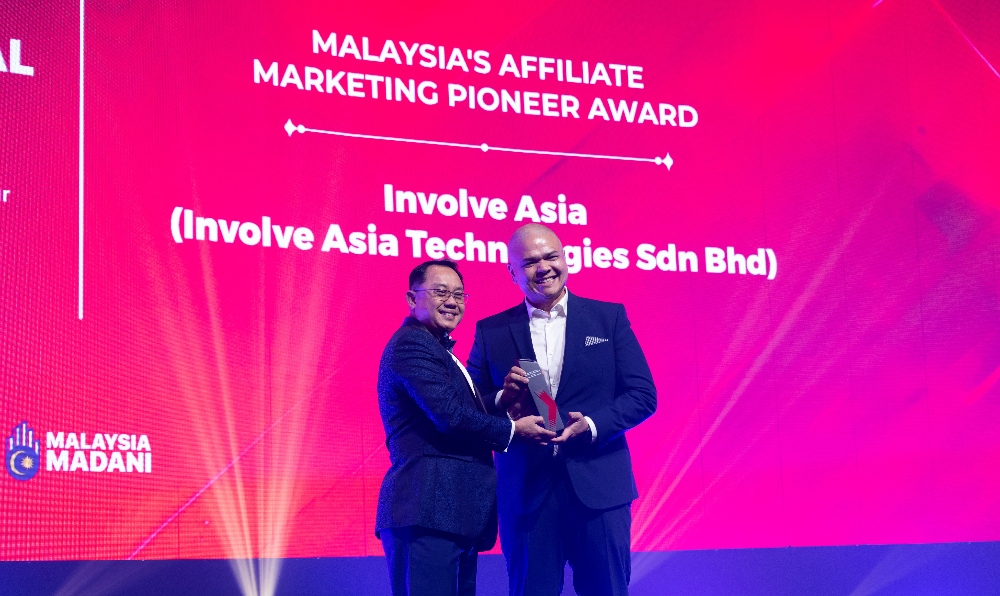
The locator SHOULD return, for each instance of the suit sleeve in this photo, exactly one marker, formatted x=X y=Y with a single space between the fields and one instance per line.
x=635 y=394
x=427 y=381
x=479 y=370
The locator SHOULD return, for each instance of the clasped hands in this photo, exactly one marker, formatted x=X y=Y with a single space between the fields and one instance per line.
x=531 y=428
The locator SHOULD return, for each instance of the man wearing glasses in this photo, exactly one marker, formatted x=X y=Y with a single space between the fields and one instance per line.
x=437 y=505
x=569 y=501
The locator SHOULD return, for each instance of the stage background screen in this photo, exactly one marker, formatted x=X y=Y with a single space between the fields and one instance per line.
x=797 y=202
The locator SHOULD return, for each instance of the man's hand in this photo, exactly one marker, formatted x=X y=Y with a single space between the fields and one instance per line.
x=532 y=430
x=577 y=427
x=515 y=387
x=520 y=409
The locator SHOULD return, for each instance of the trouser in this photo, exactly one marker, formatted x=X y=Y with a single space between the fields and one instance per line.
x=596 y=543
x=428 y=562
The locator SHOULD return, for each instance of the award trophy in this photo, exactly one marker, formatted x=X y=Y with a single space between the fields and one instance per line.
x=539 y=389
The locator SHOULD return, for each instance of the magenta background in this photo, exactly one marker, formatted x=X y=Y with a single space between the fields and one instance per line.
x=851 y=400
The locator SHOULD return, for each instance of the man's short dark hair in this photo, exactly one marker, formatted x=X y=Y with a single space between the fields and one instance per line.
x=419 y=273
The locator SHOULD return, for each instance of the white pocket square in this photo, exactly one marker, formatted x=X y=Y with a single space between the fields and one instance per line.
x=592 y=340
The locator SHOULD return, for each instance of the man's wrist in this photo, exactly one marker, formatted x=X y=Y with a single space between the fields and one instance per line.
x=593 y=429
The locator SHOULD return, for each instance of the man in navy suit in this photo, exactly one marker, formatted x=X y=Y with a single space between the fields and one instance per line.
x=568 y=501
x=437 y=505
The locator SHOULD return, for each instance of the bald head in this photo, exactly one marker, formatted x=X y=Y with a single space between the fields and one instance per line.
x=535 y=262
x=529 y=234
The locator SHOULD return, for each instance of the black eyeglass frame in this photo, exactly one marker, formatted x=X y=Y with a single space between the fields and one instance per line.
x=442 y=294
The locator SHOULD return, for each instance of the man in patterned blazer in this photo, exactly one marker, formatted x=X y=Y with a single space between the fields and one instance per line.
x=570 y=500
x=437 y=505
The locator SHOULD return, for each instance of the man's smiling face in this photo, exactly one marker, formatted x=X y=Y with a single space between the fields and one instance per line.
x=537 y=265
x=439 y=315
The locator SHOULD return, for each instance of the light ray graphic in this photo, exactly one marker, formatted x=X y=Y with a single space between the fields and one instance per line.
x=278 y=496
x=94 y=578
x=666 y=160
x=231 y=494
x=788 y=321
x=687 y=518
x=981 y=389
x=897 y=564
x=249 y=455
x=194 y=497
x=966 y=38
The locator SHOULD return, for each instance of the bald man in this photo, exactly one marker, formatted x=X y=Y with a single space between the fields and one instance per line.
x=567 y=501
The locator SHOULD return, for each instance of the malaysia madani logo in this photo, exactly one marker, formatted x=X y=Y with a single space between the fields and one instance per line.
x=23 y=453
x=76 y=452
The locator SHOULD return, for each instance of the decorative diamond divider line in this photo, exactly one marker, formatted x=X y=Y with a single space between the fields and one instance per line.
x=291 y=128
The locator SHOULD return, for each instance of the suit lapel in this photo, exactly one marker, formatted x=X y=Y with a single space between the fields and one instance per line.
x=522 y=333
x=453 y=367
x=459 y=377
x=477 y=397
x=576 y=325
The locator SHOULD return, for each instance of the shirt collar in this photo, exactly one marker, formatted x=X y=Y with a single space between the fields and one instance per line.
x=558 y=309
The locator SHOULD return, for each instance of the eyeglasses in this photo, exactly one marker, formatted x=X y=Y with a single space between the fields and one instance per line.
x=442 y=294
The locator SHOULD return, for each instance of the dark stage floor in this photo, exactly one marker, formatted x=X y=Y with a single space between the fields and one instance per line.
x=971 y=569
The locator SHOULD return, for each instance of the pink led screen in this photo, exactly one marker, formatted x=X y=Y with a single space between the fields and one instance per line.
x=797 y=202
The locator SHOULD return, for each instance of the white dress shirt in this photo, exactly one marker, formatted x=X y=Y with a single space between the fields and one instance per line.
x=548 y=338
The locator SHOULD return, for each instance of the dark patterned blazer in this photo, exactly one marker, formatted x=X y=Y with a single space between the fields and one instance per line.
x=604 y=376
x=440 y=442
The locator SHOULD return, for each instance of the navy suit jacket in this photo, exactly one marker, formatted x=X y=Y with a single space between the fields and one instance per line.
x=440 y=443
x=608 y=380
